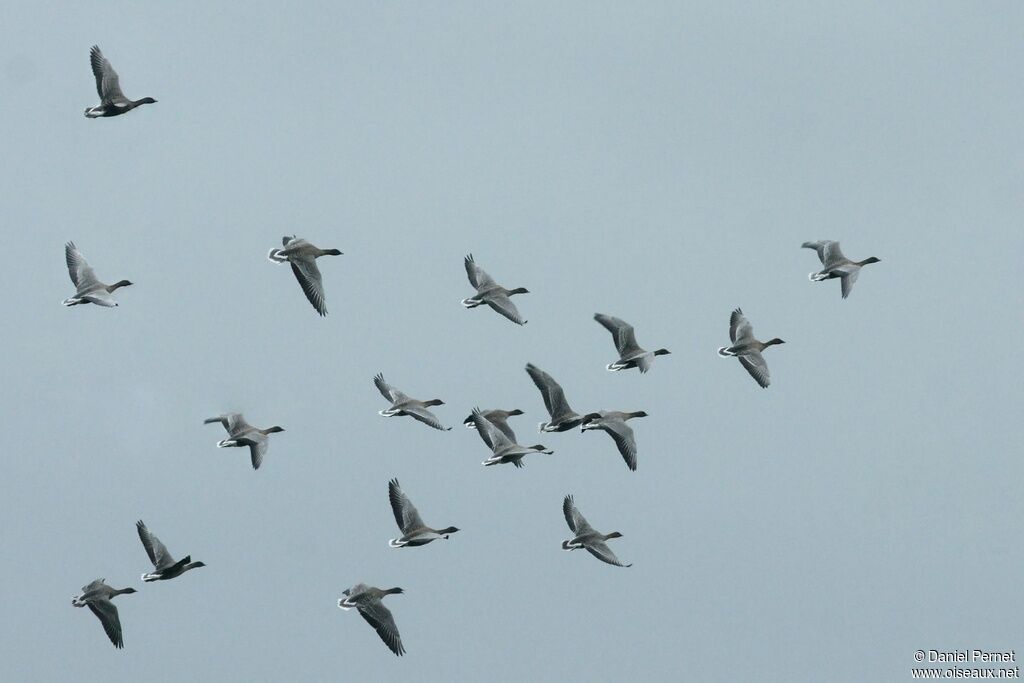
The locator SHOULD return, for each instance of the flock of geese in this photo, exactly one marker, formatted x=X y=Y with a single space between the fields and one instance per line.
x=491 y=425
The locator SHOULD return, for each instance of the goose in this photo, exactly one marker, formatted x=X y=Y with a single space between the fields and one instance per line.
x=836 y=265
x=97 y=597
x=88 y=290
x=491 y=293
x=165 y=564
x=241 y=433
x=586 y=537
x=367 y=599
x=414 y=531
x=403 y=405
x=630 y=353
x=498 y=418
x=112 y=100
x=502 y=448
x=614 y=422
x=303 y=255
x=748 y=349
x=562 y=416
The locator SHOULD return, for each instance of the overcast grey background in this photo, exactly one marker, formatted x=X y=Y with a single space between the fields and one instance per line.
x=661 y=163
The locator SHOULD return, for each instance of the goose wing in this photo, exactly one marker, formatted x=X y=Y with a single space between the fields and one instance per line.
x=257 y=448
x=106 y=612
x=491 y=435
x=108 y=84
x=601 y=551
x=388 y=391
x=380 y=618
x=501 y=424
x=757 y=367
x=308 y=275
x=78 y=268
x=156 y=550
x=622 y=435
x=740 y=328
x=406 y=514
x=233 y=423
x=577 y=523
x=550 y=390
x=94 y=585
x=500 y=302
x=818 y=246
x=847 y=278
x=832 y=256
x=477 y=277
x=622 y=333
x=424 y=415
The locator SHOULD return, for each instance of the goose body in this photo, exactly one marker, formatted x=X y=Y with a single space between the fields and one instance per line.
x=562 y=416
x=631 y=354
x=108 y=86
x=503 y=449
x=414 y=531
x=747 y=348
x=367 y=599
x=586 y=536
x=302 y=256
x=97 y=597
x=491 y=293
x=241 y=433
x=403 y=405
x=165 y=567
x=88 y=290
x=614 y=423
x=835 y=265
x=498 y=418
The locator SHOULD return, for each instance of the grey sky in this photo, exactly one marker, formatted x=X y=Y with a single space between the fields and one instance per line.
x=659 y=163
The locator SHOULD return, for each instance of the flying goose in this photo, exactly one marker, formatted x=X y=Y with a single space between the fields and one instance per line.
x=166 y=566
x=302 y=255
x=502 y=448
x=97 y=597
x=403 y=405
x=835 y=265
x=112 y=100
x=498 y=418
x=614 y=422
x=748 y=349
x=414 y=531
x=491 y=293
x=562 y=416
x=630 y=353
x=241 y=433
x=586 y=537
x=88 y=290
x=367 y=599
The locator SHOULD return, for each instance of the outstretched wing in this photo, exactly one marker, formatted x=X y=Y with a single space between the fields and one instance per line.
x=423 y=415
x=622 y=333
x=108 y=86
x=106 y=612
x=388 y=391
x=577 y=523
x=739 y=327
x=233 y=423
x=156 y=550
x=308 y=275
x=491 y=435
x=847 y=279
x=406 y=514
x=379 y=617
x=622 y=435
x=257 y=449
x=477 y=277
x=502 y=304
x=757 y=367
x=550 y=390
x=78 y=268
x=601 y=551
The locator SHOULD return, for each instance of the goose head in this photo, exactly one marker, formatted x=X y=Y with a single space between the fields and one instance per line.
x=871 y=259
x=614 y=534
x=434 y=402
x=332 y=252
x=662 y=352
x=518 y=290
x=274 y=430
x=770 y=342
